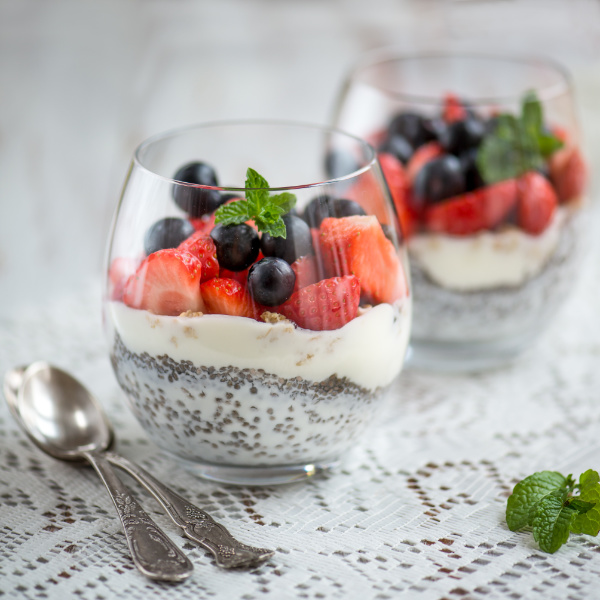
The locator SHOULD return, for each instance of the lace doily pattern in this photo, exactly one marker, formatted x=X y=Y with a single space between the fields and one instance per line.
x=416 y=511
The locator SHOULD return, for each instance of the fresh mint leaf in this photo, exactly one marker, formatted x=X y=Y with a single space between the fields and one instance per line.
x=522 y=505
x=265 y=210
x=516 y=144
x=552 y=522
x=589 y=492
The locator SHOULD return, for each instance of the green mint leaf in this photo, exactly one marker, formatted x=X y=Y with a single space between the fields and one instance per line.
x=516 y=145
x=255 y=180
x=233 y=213
x=589 y=492
x=276 y=229
x=579 y=505
x=552 y=522
x=284 y=201
x=522 y=505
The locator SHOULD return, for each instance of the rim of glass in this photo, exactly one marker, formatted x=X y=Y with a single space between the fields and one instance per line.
x=371 y=156
x=388 y=54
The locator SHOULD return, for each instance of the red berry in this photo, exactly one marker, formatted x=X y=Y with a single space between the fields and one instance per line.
x=306 y=270
x=120 y=270
x=484 y=208
x=205 y=223
x=201 y=246
x=422 y=155
x=326 y=305
x=453 y=109
x=166 y=283
x=399 y=185
x=537 y=203
x=568 y=172
x=357 y=246
x=225 y=296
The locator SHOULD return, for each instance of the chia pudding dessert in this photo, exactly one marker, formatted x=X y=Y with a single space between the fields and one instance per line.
x=252 y=333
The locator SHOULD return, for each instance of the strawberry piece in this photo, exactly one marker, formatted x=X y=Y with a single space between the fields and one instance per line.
x=397 y=181
x=203 y=248
x=453 y=109
x=475 y=211
x=306 y=270
x=568 y=173
x=120 y=270
x=423 y=154
x=537 y=203
x=204 y=224
x=166 y=283
x=357 y=246
x=224 y=296
x=326 y=305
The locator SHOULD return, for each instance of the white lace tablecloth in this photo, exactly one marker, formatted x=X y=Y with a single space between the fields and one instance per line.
x=417 y=511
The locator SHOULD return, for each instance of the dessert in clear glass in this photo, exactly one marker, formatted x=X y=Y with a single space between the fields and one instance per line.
x=484 y=162
x=257 y=302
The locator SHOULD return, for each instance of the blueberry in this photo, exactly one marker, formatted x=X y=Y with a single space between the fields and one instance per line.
x=410 y=126
x=434 y=128
x=297 y=243
x=339 y=163
x=398 y=146
x=196 y=201
x=439 y=179
x=237 y=246
x=167 y=233
x=468 y=161
x=462 y=135
x=271 y=281
x=324 y=206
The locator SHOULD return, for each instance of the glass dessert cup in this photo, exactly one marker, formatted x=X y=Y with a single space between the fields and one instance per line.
x=483 y=158
x=250 y=357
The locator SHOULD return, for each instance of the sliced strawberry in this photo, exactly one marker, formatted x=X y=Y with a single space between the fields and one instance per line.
x=397 y=181
x=204 y=224
x=306 y=270
x=484 y=208
x=326 y=305
x=454 y=109
x=166 y=283
x=568 y=172
x=224 y=296
x=357 y=246
x=203 y=248
x=537 y=203
x=423 y=154
x=120 y=270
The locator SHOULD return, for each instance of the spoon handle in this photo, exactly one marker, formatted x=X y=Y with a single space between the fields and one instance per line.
x=153 y=553
x=196 y=523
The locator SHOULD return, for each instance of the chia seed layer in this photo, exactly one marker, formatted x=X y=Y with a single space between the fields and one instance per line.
x=445 y=315
x=242 y=417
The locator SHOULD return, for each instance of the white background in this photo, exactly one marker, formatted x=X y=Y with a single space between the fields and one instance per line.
x=83 y=82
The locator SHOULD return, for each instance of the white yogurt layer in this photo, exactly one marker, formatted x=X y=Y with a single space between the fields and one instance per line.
x=369 y=350
x=487 y=259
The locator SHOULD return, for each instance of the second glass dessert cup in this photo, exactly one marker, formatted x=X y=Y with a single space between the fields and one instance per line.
x=483 y=158
x=257 y=301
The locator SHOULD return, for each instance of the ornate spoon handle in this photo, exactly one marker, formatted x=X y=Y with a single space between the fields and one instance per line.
x=197 y=524
x=153 y=553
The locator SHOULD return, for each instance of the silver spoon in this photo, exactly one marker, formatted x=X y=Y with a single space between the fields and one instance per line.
x=197 y=524
x=67 y=424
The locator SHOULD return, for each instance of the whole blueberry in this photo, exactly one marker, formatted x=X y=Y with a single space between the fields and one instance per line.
x=237 y=246
x=167 y=233
x=197 y=201
x=271 y=281
x=434 y=127
x=398 y=146
x=462 y=135
x=324 y=206
x=410 y=126
x=297 y=242
x=439 y=179
x=468 y=161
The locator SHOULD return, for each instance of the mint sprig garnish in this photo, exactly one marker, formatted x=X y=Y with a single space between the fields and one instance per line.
x=517 y=144
x=547 y=502
x=264 y=209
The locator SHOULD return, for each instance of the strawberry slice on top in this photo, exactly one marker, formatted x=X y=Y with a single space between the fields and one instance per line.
x=357 y=246
x=325 y=305
x=201 y=245
x=167 y=282
x=537 y=203
x=224 y=296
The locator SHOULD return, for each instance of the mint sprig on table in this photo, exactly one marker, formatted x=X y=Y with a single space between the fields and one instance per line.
x=264 y=209
x=548 y=503
x=517 y=144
